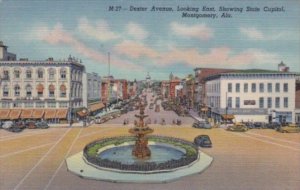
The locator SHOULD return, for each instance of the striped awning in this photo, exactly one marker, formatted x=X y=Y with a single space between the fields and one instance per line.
x=95 y=107
x=15 y=114
x=50 y=114
x=4 y=113
x=38 y=113
x=61 y=113
x=26 y=114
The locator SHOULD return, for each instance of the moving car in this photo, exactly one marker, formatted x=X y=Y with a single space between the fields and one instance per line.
x=238 y=127
x=202 y=124
x=290 y=128
x=203 y=141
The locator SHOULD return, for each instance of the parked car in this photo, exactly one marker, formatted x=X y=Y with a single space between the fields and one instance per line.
x=20 y=124
x=259 y=125
x=290 y=128
x=7 y=124
x=273 y=125
x=202 y=124
x=15 y=129
x=203 y=141
x=42 y=125
x=238 y=127
x=30 y=124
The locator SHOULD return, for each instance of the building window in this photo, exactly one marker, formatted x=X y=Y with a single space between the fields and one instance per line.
x=51 y=90
x=261 y=87
x=51 y=74
x=28 y=104
x=277 y=87
x=63 y=91
x=5 y=75
x=17 y=90
x=51 y=104
x=229 y=87
x=28 y=74
x=269 y=87
x=285 y=87
x=237 y=102
x=269 y=102
x=246 y=87
x=17 y=105
x=17 y=74
x=40 y=104
x=285 y=102
x=63 y=104
x=5 y=104
x=229 y=104
x=28 y=91
x=63 y=74
x=237 y=87
x=261 y=102
x=40 y=74
x=277 y=102
x=253 y=87
x=5 y=91
x=40 y=90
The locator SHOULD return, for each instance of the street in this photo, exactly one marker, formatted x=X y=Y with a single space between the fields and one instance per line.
x=257 y=159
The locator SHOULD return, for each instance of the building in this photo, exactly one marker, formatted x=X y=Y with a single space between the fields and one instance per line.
x=252 y=95
x=132 y=89
x=92 y=93
x=199 y=88
x=46 y=89
x=5 y=55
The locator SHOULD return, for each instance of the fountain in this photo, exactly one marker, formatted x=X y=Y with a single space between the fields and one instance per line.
x=141 y=149
x=138 y=158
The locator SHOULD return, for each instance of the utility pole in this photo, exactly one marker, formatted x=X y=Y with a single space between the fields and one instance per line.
x=108 y=63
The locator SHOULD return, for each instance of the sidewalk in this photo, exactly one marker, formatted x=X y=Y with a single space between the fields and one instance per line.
x=195 y=115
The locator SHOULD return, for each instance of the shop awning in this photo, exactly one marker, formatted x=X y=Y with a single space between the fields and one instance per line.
x=228 y=117
x=82 y=113
x=4 y=113
x=14 y=114
x=50 y=114
x=95 y=107
x=26 y=114
x=38 y=113
x=61 y=113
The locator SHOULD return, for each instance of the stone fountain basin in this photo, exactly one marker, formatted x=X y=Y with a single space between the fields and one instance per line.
x=78 y=165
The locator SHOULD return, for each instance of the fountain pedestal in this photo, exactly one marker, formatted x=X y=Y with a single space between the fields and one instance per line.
x=141 y=149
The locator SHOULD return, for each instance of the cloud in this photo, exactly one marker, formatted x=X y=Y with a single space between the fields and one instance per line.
x=136 y=31
x=101 y=31
x=198 y=31
x=58 y=35
x=135 y=50
x=254 y=34
x=221 y=57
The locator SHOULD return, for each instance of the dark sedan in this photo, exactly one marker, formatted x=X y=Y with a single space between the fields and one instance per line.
x=203 y=141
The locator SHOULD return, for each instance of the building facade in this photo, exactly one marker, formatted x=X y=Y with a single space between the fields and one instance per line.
x=256 y=97
x=46 y=85
x=5 y=55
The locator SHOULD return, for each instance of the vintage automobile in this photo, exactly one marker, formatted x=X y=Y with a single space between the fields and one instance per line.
x=15 y=129
x=30 y=124
x=238 y=127
x=290 y=128
x=42 y=125
x=273 y=125
x=7 y=124
x=202 y=124
x=203 y=141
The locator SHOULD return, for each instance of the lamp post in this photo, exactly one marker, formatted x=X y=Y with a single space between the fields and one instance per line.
x=226 y=110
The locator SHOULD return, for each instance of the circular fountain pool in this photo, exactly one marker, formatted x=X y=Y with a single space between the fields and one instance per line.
x=159 y=154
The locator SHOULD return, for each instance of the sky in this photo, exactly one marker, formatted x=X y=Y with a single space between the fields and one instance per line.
x=158 y=42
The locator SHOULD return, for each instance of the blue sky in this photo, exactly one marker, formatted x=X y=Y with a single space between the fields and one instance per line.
x=154 y=42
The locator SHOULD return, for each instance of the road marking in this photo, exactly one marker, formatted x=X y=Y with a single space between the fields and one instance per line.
x=56 y=171
x=12 y=137
x=266 y=141
x=292 y=142
x=25 y=150
x=107 y=129
x=41 y=159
